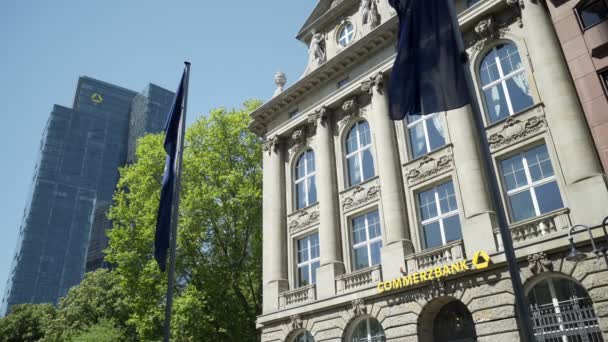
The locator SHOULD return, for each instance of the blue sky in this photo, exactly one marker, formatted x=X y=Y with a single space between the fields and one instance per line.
x=235 y=48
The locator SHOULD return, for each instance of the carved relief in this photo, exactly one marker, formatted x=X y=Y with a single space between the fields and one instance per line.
x=539 y=263
x=299 y=138
x=429 y=167
x=319 y=116
x=374 y=81
x=488 y=30
x=360 y=195
x=350 y=112
x=359 y=307
x=271 y=144
x=369 y=11
x=295 y=321
x=303 y=219
x=515 y=130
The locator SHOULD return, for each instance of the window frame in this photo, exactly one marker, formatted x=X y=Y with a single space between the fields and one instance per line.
x=344 y=29
x=502 y=81
x=583 y=4
x=310 y=260
x=305 y=179
x=424 y=122
x=531 y=185
x=368 y=326
x=368 y=242
x=358 y=153
x=440 y=215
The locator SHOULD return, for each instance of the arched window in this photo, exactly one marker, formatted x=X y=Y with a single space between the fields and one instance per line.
x=359 y=154
x=346 y=34
x=368 y=330
x=504 y=82
x=562 y=311
x=426 y=133
x=305 y=183
x=304 y=336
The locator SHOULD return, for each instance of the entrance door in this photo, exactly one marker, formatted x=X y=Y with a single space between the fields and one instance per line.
x=454 y=323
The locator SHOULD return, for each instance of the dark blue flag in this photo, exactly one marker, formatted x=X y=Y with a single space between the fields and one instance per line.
x=428 y=74
x=165 y=208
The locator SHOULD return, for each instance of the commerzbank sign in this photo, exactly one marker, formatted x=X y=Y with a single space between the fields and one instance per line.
x=480 y=260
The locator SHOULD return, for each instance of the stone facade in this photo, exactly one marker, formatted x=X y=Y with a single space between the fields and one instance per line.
x=343 y=96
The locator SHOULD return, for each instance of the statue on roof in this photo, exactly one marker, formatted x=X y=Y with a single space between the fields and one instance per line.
x=369 y=12
x=316 y=52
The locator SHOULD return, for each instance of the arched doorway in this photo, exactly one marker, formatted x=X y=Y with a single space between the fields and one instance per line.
x=454 y=323
x=562 y=311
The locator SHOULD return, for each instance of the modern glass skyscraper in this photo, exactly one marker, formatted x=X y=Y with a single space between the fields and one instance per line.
x=75 y=178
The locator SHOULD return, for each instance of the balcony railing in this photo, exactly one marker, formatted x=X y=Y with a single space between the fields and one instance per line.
x=298 y=296
x=442 y=255
x=537 y=227
x=357 y=280
x=571 y=320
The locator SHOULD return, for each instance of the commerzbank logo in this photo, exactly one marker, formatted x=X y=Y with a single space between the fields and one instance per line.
x=97 y=98
x=480 y=260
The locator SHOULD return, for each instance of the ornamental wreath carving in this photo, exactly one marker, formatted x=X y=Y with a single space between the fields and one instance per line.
x=429 y=167
x=359 y=307
x=361 y=195
x=295 y=321
x=539 y=263
x=515 y=130
x=303 y=220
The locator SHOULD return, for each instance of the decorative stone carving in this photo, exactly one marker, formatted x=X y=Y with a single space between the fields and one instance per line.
x=375 y=81
x=298 y=139
x=319 y=116
x=271 y=144
x=316 y=52
x=279 y=79
x=519 y=3
x=369 y=11
x=359 y=307
x=486 y=28
x=515 y=130
x=429 y=167
x=295 y=321
x=302 y=220
x=539 y=263
x=350 y=111
x=360 y=195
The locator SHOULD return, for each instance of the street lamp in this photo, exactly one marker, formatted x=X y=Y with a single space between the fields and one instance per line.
x=575 y=255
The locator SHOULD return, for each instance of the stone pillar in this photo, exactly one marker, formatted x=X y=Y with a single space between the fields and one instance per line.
x=586 y=188
x=396 y=229
x=274 y=226
x=477 y=223
x=329 y=228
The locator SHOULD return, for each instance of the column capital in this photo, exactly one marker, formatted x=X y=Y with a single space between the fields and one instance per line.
x=321 y=115
x=272 y=145
x=376 y=81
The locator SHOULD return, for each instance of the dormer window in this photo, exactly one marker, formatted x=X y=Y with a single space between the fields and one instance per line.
x=346 y=34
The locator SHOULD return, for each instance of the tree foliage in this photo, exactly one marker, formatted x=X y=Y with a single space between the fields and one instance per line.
x=219 y=245
x=26 y=322
x=104 y=331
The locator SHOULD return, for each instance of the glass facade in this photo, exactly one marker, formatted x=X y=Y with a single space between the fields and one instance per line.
x=80 y=152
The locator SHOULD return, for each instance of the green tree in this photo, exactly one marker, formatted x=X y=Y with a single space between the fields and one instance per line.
x=104 y=331
x=219 y=246
x=26 y=322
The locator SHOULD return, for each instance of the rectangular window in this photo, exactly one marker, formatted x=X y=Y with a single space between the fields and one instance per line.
x=308 y=259
x=604 y=78
x=343 y=82
x=438 y=210
x=592 y=12
x=426 y=133
x=366 y=240
x=530 y=183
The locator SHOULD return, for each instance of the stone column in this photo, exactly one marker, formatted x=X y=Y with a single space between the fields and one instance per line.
x=274 y=226
x=477 y=223
x=396 y=229
x=329 y=227
x=586 y=188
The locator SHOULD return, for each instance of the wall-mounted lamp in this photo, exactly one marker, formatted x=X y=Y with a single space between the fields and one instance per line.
x=575 y=255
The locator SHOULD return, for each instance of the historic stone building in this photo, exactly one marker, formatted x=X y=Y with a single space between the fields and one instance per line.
x=373 y=228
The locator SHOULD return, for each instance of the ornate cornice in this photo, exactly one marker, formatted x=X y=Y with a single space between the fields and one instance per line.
x=319 y=116
x=429 y=166
x=360 y=195
x=303 y=219
x=514 y=130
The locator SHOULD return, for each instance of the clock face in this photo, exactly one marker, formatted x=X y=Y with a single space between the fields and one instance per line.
x=96 y=98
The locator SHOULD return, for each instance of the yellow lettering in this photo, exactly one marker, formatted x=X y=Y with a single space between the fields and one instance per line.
x=416 y=279
x=380 y=287
x=423 y=277
x=404 y=282
x=446 y=271
x=463 y=265
x=429 y=274
x=455 y=268
x=388 y=285
x=396 y=284
x=438 y=273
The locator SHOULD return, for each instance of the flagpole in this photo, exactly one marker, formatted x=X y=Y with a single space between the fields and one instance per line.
x=175 y=208
x=522 y=308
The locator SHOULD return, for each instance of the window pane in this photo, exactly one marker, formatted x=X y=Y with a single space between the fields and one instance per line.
x=364 y=135
x=414 y=118
x=521 y=206
x=300 y=169
x=375 y=251
x=303 y=275
x=302 y=250
x=373 y=222
x=310 y=160
x=312 y=191
x=351 y=141
x=368 y=164
x=540 y=294
x=360 y=332
x=548 y=197
x=314 y=246
x=359 y=230
x=432 y=235
x=488 y=71
x=375 y=329
x=509 y=58
x=361 y=258
x=451 y=226
x=428 y=206
x=539 y=163
x=513 y=172
x=417 y=140
x=496 y=103
x=519 y=92
x=301 y=195
x=593 y=13
x=313 y=271
x=447 y=198
x=354 y=173
x=436 y=132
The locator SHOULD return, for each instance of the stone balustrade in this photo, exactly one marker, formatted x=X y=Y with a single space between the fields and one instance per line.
x=537 y=227
x=300 y=295
x=446 y=254
x=365 y=278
